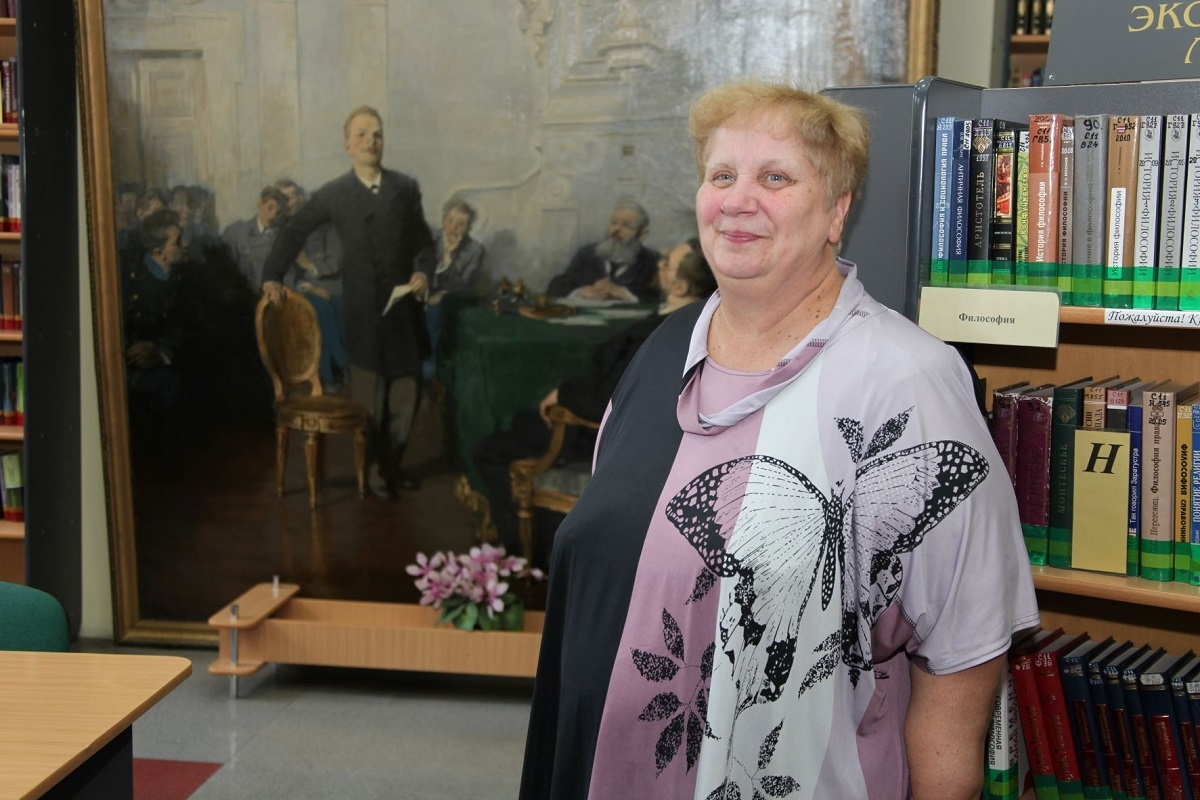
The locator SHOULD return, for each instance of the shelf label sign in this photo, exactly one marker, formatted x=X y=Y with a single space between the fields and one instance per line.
x=990 y=316
x=1145 y=318
x=1116 y=41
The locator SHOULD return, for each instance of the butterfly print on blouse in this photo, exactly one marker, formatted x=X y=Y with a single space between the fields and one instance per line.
x=794 y=544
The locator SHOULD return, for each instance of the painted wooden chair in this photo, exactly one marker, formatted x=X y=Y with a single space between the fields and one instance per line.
x=543 y=482
x=289 y=341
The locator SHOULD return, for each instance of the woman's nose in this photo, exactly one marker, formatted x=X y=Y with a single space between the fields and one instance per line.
x=738 y=198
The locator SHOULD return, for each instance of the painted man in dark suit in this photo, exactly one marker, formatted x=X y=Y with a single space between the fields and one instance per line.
x=378 y=216
x=618 y=267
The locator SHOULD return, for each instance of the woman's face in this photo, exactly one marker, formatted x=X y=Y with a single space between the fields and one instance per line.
x=761 y=208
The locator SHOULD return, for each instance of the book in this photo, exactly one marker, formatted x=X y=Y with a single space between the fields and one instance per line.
x=1166 y=759
x=1004 y=190
x=939 y=263
x=1185 y=721
x=1094 y=669
x=1116 y=404
x=1181 y=560
x=960 y=202
x=1002 y=767
x=1192 y=687
x=1034 y=414
x=1122 y=728
x=1021 y=216
x=1089 y=212
x=1095 y=401
x=1100 y=501
x=12 y=476
x=1143 y=753
x=1194 y=502
x=1159 y=477
x=1117 y=285
x=1004 y=425
x=1189 y=264
x=1173 y=182
x=1045 y=147
x=1029 y=711
x=1066 y=195
x=1073 y=671
x=8 y=296
x=1067 y=417
x=1046 y=673
x=1135 y=413
x=1145 y=210
x=979 y=230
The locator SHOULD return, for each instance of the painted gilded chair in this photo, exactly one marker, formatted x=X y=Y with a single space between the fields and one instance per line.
x=289 y=342
x=543 y=482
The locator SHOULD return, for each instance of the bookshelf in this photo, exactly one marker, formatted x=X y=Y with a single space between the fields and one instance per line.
x=1163 y=614
x=1026 y=54
x=12 y=534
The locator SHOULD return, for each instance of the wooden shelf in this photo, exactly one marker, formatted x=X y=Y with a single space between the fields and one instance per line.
x=9 y=132
x=12 y=336
x=12 y=433
x=1178 y=596
x=11 y=530
x=1030 y=44
x=8 y=236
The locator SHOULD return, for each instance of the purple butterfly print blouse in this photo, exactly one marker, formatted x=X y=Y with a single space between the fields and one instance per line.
x=734 y=601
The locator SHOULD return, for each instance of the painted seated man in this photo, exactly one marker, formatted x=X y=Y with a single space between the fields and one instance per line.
x=618 y=267
x=250 y=240
x=683 y=276
x=458 y=270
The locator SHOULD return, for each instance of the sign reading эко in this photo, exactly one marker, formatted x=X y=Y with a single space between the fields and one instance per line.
x=990 y=316
x=1114 y=41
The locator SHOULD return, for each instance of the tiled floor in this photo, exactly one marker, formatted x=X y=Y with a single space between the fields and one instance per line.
x=325 y=733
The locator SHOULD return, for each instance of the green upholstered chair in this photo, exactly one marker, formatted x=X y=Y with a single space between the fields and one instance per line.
x=31 y=619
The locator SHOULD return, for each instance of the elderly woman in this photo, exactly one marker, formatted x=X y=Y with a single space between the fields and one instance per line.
x=798 y=566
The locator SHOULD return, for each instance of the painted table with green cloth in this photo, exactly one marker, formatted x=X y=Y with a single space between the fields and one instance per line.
x=495 y=366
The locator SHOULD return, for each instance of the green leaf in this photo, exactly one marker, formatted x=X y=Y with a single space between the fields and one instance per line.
x=513 y=616
x=488 y=623
x=469 y=617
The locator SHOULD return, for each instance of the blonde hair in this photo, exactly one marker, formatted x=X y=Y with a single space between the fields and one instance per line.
x=359 y=112
x=835 y=137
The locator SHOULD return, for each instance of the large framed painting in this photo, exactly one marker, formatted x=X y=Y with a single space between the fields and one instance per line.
x=540 y=114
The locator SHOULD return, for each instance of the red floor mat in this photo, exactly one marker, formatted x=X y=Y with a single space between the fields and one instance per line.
x=161 y=779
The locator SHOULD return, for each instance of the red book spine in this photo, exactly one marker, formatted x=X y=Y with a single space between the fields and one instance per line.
x=1128 y=765
x=1169 y=769
x=1089 y=753
x=1108 y=747
x=1033 y=727
x=1054 y=711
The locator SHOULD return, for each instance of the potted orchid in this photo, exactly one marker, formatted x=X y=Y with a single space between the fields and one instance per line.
x=473 y=589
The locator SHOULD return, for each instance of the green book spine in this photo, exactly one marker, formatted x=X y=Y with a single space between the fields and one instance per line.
x=1068 y=412
x=1189 y=274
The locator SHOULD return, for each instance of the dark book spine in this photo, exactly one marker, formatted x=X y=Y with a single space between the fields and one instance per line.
x=1004 y=431
x=1004 y=188
x=1143 y=754
x=1186 y=730
x=1033 y=473
x=1092 y=771
x=1104 y=730
x=1131 y=778
x=979 y=268
x=960 y=202
x=1158 y=710
x=1133 y=558
x=1068 y=410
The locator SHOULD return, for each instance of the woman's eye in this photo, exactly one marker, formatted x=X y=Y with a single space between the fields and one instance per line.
x=722 y=178
x=776 y=179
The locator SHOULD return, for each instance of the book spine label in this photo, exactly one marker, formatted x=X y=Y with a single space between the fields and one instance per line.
x=1045 y=143
x=979 y=268
x=1117 y=286
x=1171 y=208
x=1088 y=214
x=1146 y=211
x=1021 y=220
x=1158 y=443
x=1000 y=251
x=939 y=264
x=1189 y=272
x=960 y=202
x=1066 y=194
